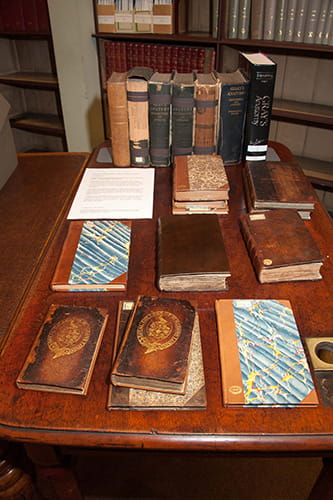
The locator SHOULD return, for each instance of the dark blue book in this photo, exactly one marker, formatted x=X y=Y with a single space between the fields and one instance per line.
x=159 y=95
x=182 y=113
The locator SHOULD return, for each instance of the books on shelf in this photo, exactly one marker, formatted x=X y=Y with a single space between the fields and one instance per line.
x=280 y=246
x=94 y=256
x=159 y=92
x=194 y=397
x=63 y=355
x=191 y=254
x=118 y=118
x=155 y=350
x=182 y=114
x=263 y=363
x=206 y=97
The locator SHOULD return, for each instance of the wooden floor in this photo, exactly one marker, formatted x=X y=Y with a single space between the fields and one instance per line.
x=155 y=475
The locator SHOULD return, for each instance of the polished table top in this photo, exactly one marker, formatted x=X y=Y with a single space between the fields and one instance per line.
x=70 y=420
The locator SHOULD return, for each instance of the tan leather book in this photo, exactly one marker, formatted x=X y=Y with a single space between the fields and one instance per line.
x=194 y=398
x=200 y=177
x=206 y=96
x=191 y=253
x=262 y=359
x=118 y=115
x=280 y=246
x=155 y=350
x=63 y=355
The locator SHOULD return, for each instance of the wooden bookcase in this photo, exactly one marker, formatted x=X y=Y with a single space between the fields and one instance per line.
x=28 y=80
x=214 y=35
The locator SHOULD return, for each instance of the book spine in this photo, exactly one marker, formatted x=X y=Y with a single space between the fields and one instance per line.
x=206 y=101
x=118 y=114
x=280 y=23
x=259 y=109
x=43 y=16
x=251 y=246
x=244 y=19
x=233 y=103
x=159 y=123
x=328 y=29
x=233 y=19
x=290 y=20
x=323 y=13
x=300 y=20
x=257 y=19
x=269 y=19
x=182 y=119
x=311 y=21
x=137 y=101
x=30 y=16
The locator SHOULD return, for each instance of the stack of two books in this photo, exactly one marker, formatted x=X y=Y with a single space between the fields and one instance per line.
x=200 y=185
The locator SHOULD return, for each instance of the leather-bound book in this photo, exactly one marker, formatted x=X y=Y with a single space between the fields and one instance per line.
x=137 y=102
x=118 y=115
x=155 y=350
x=199 y=177
x=182 y=113
x=206 y=94
x=194 y=398
x=280 y=246
x=262 y=360
x=64 y=353
x=159 y=88
x=200 y=207
x=191 y=253
x=94 y=257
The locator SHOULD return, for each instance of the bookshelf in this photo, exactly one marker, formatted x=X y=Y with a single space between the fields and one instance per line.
x=214 y=34
x=28 y=78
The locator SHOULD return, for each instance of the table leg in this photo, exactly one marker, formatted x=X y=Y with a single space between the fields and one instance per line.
x=323 y=487
x=15 y=482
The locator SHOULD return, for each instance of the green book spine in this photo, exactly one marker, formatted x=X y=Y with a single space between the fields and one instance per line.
x=182 y=114
x=159 y=90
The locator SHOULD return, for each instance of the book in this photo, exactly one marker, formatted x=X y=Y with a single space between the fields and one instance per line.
x=281 y=19
x=257 y=19
x=311 y=21
x=263 y=363
x=137 y=102
x=232 y=112
x=233 y=19
x=199 y=207
x=118 y=116
x=206 y=94
x=200 y=178
x=63 y=355
x=159 y=90
x=276 y=184
x=320 y=28
x=191 y=253
x=280 y=246
x=182 y=113
x=120 y=397
x=260 y=71
x=244 y=16
x=300 y=19
x=269 y=19
x=154 y=353
x=94 y=256
x=290 y=20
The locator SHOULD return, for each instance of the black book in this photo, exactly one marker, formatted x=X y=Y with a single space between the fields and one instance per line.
x=182 y=113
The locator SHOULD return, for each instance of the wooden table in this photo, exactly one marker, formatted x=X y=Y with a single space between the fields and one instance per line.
x=74 y=421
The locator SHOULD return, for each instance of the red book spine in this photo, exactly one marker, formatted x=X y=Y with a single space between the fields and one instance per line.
x=30 y=15
x=167 y=59
x=43 y=16
x=174 y=58
x=123 y=57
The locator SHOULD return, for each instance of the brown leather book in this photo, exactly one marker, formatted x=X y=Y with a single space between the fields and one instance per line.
x=155 y=350
x=280 y=246
x=206 y=95
x=194 y=398
x=200 y=177
x=94 y=256
x=191 y=253
x=118 y=115
x=63 y=355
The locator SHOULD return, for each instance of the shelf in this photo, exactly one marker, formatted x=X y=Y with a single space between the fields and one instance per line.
x=319 y=172
x=26 y=35
x=301 y=112
x=46 y=124
x=30 y=80
x=194 y=38
x=299 y=49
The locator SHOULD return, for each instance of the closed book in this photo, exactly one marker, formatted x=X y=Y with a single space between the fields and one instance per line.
x=311 y=22
x=280 y=22
x=232 y=112
x=30 y=15
x=43 y=16
x=63 y=355
x=323 y=15
x=191 y=253
x=94 y=256
x=130 y=398
x=233 y=18
x=244 y=16
x=290 y=20
x=269 y=19
x=137 y=102
x=154 y=353
x=182 y=113
x=260 y=71
x=206 y=94
x=118 y=115
x=301 y=13
x=257 y=19
x=199 y=178
x=199 y=208
x=262 y=359
x=280 y=246
x=159 y=90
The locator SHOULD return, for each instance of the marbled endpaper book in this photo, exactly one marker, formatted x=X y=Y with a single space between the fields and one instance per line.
x=94 y=256
x=262 y=358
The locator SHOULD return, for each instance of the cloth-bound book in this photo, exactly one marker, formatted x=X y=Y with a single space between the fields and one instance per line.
x=263 y=362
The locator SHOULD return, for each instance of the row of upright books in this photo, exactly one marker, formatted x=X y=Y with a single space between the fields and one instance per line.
x=293 y=21
x=122 y=56
x=24 y=16
x=156 y=116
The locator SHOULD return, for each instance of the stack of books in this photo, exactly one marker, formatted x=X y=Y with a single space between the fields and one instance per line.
x=200 y=185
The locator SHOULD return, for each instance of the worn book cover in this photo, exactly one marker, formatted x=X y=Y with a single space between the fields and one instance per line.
x=130 y=398
x=159 y=89
x=155 y=350
x=280 y=246
x=182 y=113
x=262 y=359
x=137 y=101
x=118 y=116
x=191 y=253
x=63 y=356
x=200 y=178
x=94 y=256
x=206 y=94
